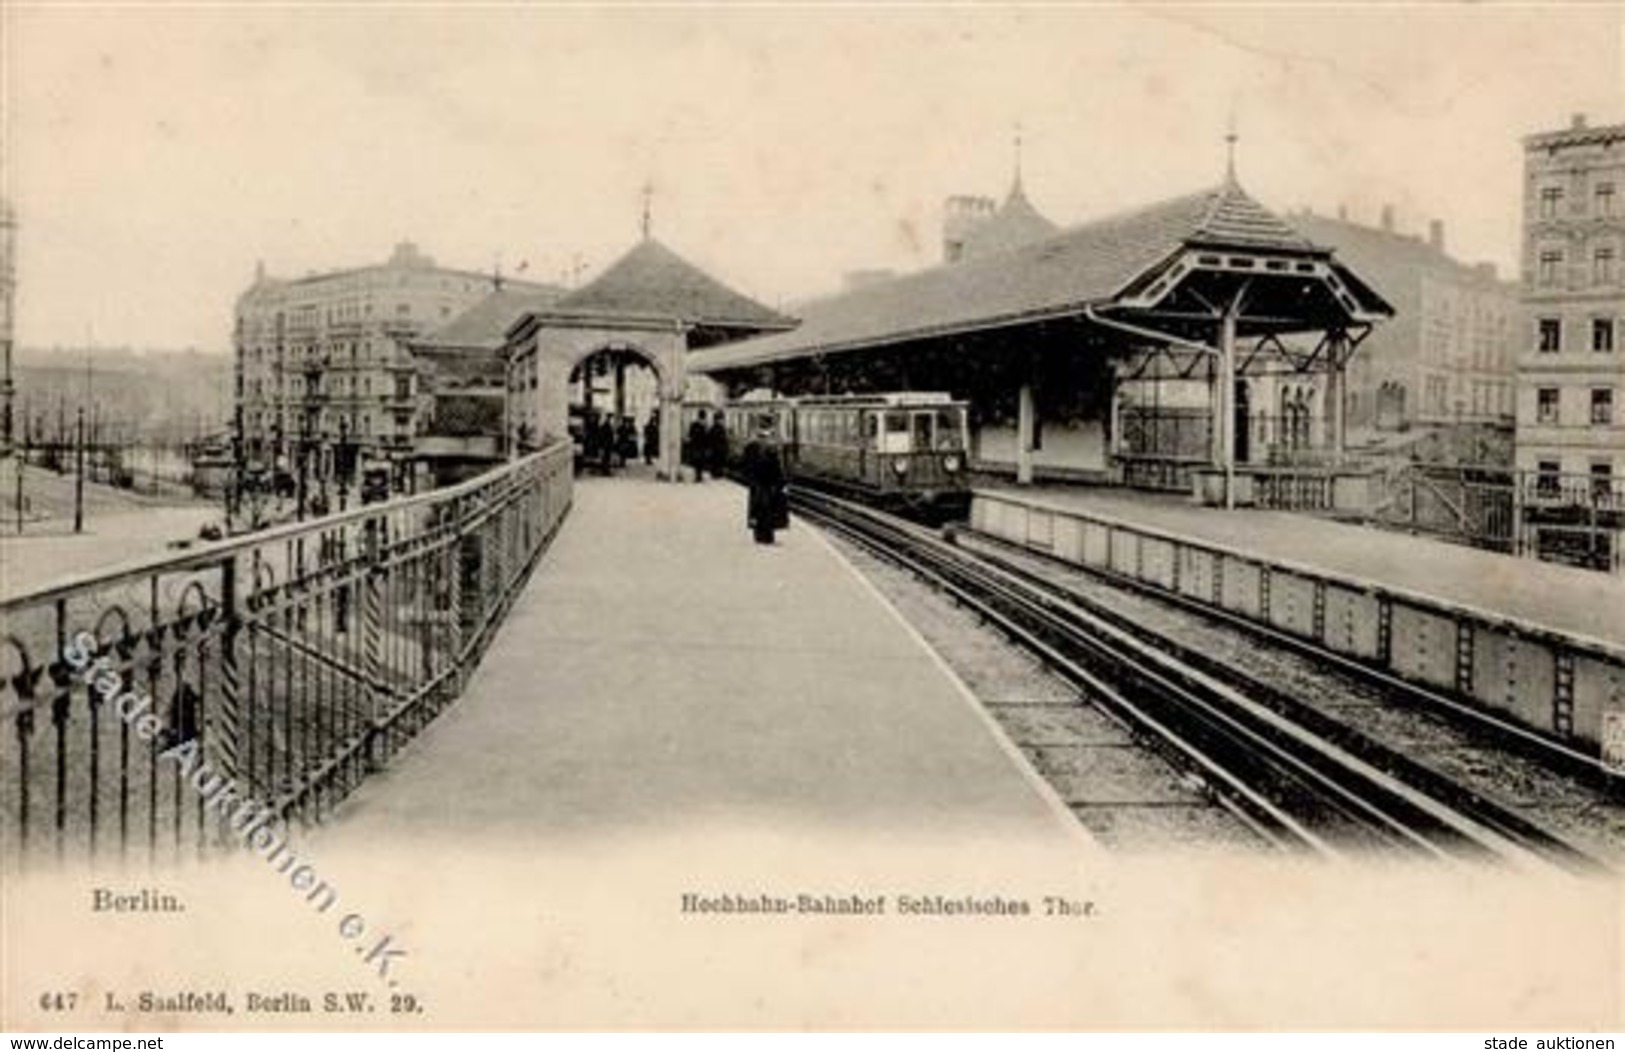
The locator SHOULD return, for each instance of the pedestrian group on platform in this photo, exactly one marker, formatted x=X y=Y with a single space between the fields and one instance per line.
x=611 y=442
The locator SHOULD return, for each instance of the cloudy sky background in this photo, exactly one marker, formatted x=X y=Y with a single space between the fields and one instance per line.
x=155 y=153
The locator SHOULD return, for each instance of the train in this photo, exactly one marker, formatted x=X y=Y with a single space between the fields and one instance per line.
x=905 y=451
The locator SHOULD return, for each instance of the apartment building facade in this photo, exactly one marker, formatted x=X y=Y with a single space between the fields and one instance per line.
x=1570 y=370
x=325 y=384
x=1447 y=359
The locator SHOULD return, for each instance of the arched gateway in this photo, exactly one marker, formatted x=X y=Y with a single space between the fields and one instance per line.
x=650 y=306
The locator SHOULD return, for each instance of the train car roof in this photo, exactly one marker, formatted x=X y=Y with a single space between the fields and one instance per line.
x=888 y=399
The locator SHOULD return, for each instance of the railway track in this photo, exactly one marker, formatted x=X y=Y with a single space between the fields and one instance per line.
x=1296 y=779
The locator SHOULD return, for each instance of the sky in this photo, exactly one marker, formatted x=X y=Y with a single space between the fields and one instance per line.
x=154 y=153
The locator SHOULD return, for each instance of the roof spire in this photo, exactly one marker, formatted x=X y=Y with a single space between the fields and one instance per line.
x=648 y=204
x=1230 y=140
x=1015 y=187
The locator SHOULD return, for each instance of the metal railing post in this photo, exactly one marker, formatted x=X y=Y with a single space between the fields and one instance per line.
x=372 y=641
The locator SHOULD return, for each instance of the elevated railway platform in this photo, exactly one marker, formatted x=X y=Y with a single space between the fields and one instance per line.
x=1540 y=644
x=1562 y=598
x=660 y=670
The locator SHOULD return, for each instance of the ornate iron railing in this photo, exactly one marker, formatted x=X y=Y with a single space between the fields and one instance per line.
x=1572 y=518
x=1287 y=489
x=299 y=659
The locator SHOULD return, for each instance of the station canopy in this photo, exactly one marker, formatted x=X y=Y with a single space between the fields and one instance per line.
x=1157 y=278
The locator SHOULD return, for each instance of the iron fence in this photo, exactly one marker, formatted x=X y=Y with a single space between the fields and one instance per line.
x=1560 y=517
x=298 y=659
x=1285 y=489
x=1165 y=433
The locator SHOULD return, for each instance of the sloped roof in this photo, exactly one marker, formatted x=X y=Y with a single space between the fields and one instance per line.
x=652 y=280
x=1016 y=223
x=1086 y=264
x=485 y=323
x=1234 y=219
x=466 y=415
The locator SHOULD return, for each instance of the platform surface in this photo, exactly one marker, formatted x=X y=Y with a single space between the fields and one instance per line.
x=660 y=668
x=1563 y=598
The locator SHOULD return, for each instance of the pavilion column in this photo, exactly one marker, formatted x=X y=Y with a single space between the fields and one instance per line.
x=1114 y=440
x=1025 y=419
x=1215 y=437
x=1224 y=400
x=669 y=467
x=1337 y=401
x=672 y=384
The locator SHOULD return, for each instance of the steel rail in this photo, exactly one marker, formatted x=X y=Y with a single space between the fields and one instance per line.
x=1289 y=781
x=1507 y=824
x=1475 y=718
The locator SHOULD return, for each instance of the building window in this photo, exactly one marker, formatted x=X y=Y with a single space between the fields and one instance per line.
x=1602 y=335
x=1551 y=335
x=1546 y=405
x=1551 y=261
x=1602 y=481
x=1602 y=266
x=1548 y=475
x=1602 y=405
x=1551 y=199
x=1604 y=199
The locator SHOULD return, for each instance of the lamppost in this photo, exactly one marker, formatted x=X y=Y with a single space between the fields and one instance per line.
x=345 y=463
x=234 y=484
x=309 y=439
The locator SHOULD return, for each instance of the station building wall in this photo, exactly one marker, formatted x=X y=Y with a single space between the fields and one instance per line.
x=1075 y=444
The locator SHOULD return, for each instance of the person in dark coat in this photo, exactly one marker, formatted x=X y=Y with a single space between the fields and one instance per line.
x=626 y=441
x=590 y=443
x=651 y=437
x=696 y=452
x=717 y=444
x=606 y=445
x=768 y=507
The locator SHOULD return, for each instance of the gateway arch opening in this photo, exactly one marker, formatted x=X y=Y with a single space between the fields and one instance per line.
x=614 y=413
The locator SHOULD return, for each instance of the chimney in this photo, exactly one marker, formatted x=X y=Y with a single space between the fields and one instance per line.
x=1436 y=234
x=1388 y=218
x=1577 y=122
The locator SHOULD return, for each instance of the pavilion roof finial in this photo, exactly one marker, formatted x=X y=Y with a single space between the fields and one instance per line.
x=648 y=208
x=1015 y=187
x=1230 y=140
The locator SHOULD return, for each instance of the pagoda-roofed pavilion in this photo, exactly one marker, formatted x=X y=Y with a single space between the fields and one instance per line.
x=1211 y=286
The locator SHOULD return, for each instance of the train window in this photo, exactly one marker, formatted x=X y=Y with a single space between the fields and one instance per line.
x=922 y=432
x=870 y=430
x=896 y=423
x=950 y=429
